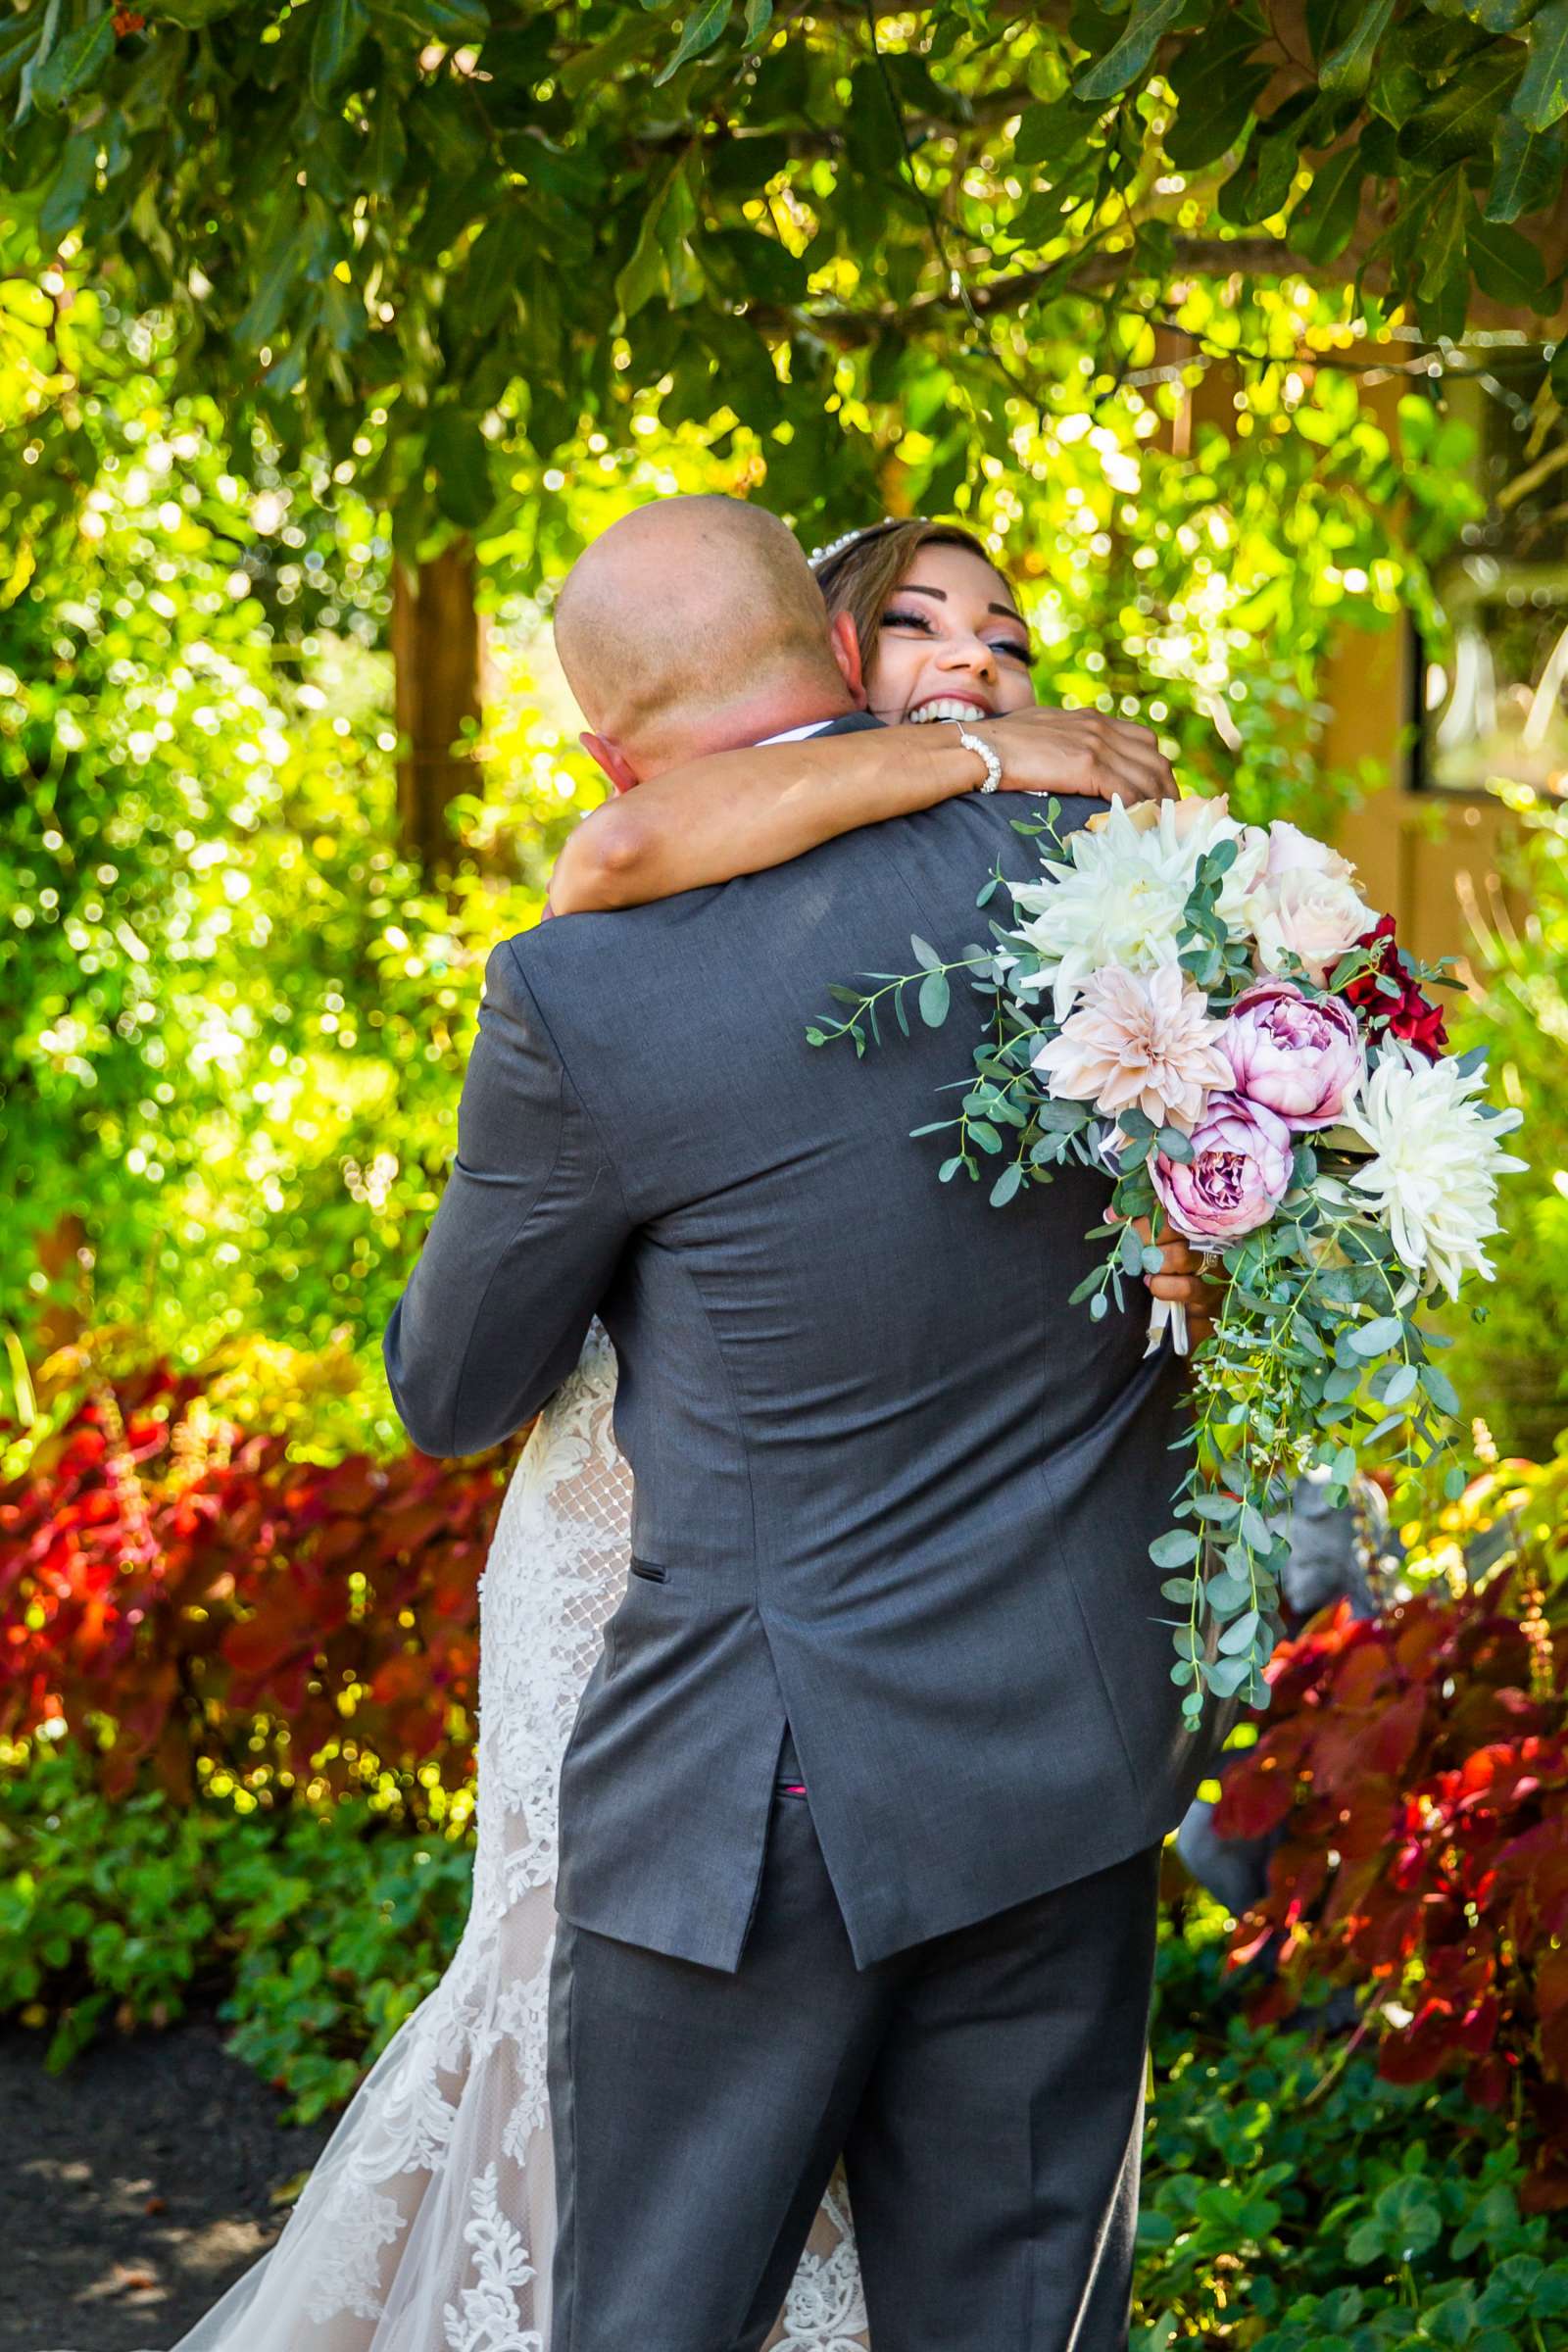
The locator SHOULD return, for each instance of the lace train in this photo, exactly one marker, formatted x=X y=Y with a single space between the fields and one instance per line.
x=427 y=2222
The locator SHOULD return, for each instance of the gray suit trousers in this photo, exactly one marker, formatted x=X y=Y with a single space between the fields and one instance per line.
x=984 y=2086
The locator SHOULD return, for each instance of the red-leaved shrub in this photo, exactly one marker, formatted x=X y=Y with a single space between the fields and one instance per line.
x=173 y=1590
x=1418 y=1767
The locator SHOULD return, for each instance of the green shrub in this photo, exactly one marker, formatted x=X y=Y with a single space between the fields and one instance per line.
x=318 y=1933
x=1295 y=2202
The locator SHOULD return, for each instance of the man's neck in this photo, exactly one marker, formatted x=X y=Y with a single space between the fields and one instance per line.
x=740 y=725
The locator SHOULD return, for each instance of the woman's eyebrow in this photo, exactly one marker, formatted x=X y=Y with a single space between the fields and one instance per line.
x=1008 y=612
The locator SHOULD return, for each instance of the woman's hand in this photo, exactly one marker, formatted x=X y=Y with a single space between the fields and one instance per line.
x=1183 y=1282
x=1182 y=1279
x=1078 y=753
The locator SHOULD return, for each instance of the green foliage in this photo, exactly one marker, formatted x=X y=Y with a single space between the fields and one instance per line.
x=234 y=1009
x=321 y=1931
x=1295 y=2202
x=444 y=244
x=1515 y=1361
x=1280 y=2172
x=240 y=1013
x=339 y=1936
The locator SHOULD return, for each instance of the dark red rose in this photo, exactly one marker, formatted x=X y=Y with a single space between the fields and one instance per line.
x=1410 y=1015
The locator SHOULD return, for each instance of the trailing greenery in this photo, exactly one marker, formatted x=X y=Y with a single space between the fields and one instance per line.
x=1319 y=1351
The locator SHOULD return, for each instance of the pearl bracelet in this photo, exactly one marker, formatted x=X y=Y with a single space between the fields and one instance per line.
x=983 y=751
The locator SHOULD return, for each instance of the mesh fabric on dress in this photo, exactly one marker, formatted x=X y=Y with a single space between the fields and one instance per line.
x=428 y=2221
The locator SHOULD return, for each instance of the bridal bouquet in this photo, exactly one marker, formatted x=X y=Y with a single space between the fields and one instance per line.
x=1210 y=1011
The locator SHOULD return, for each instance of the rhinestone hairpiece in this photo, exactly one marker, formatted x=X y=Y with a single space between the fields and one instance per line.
x=835 y=547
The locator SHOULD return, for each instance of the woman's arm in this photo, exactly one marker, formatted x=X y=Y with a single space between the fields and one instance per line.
x=735 y=813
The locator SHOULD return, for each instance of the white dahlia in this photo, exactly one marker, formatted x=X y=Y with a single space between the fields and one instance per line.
x=1116 y=897
x=1435 y=1162
x=1117 y=894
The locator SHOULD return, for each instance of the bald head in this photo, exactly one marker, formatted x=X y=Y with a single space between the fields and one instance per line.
x=692 y=624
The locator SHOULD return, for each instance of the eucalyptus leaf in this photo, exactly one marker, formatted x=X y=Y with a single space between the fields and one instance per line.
x=935 y=999
x=1241 y=1632
x=1377 y=1336
x=1175 y=1550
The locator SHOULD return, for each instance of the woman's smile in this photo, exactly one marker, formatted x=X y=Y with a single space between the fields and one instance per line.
x=948 y=705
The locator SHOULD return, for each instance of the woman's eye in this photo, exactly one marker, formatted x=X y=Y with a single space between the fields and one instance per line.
x=906 y=620
x=1013 y=650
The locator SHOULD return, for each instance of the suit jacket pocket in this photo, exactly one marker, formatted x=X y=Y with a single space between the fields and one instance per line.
x=647 y=1588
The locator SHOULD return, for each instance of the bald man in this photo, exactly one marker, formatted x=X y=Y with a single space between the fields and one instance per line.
x=860 y=1815
x=664 y=677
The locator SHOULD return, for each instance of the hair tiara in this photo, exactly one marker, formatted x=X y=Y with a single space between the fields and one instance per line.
x=820 y=556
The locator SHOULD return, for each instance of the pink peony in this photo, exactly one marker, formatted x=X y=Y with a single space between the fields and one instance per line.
x=1299 y=1058
x=1143 y=1038
x=1237 y=1175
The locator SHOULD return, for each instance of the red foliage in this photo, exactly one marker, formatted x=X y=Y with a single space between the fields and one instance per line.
x=192 y=1597
x=1420 y=1770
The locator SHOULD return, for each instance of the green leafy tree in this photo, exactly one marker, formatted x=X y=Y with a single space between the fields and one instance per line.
x=434 y=238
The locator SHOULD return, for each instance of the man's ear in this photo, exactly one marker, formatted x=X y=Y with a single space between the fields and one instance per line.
x=845 y=639
x=613 y=760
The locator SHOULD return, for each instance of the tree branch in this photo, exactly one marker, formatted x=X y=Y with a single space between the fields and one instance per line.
x=851 y=329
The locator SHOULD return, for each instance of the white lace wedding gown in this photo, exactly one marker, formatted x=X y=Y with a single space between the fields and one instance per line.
x=426 y=2225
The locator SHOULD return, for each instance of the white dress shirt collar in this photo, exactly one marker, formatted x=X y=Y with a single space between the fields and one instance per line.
x=815 y=726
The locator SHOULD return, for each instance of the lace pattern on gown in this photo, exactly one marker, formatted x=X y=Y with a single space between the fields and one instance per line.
x=428 y=2221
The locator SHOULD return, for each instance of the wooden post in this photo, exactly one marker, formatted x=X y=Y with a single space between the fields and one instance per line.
x=437 y=659
x=60 y=1323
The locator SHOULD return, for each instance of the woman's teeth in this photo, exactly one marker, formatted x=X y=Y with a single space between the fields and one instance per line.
x=946 y=705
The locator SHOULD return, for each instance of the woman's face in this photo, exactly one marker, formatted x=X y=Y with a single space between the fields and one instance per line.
x=952 y=644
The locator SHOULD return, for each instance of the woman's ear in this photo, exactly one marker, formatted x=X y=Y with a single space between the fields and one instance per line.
x=845 y=639
x=613 y=760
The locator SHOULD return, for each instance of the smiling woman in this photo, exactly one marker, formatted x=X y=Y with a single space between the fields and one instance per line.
x=926 y=632
x=944 y=629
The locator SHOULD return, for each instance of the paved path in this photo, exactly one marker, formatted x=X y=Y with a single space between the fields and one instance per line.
x=135 y=2187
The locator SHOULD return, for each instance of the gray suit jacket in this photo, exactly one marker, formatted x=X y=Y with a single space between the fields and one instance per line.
x=889 y=1486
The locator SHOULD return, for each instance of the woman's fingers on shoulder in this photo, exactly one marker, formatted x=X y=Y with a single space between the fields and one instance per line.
x=1083 y=753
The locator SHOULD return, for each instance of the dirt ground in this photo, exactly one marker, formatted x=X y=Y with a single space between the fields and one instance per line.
x=135 y=2187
